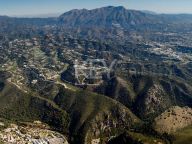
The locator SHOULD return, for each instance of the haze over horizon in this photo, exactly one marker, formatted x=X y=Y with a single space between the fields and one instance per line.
x=49 y=7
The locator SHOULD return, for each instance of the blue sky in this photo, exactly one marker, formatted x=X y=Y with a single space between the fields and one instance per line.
x=35 y=7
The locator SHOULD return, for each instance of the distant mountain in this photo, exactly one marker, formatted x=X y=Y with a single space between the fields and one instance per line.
x=101 y=19
x=149 y=12
x=118 y=16
x=46 y=15
x=107 y=17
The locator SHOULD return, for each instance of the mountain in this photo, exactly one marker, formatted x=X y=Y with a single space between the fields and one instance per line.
x=81 y=115
x=110 y=16
x=106 y=17
x=149 y=84
x=101 y=23
x=149 y=12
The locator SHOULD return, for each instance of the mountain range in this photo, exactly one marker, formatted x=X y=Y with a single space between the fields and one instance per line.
x=150 y=85
x=111 y=16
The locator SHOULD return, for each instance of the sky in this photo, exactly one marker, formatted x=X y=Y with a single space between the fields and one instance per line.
x=51 y=7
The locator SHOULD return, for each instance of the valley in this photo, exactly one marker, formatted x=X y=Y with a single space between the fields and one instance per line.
x=102 y=76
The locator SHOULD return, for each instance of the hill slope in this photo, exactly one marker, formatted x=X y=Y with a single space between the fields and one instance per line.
x=82 y=115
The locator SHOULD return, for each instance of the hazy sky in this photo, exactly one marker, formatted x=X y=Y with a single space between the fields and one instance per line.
x=35 y=7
